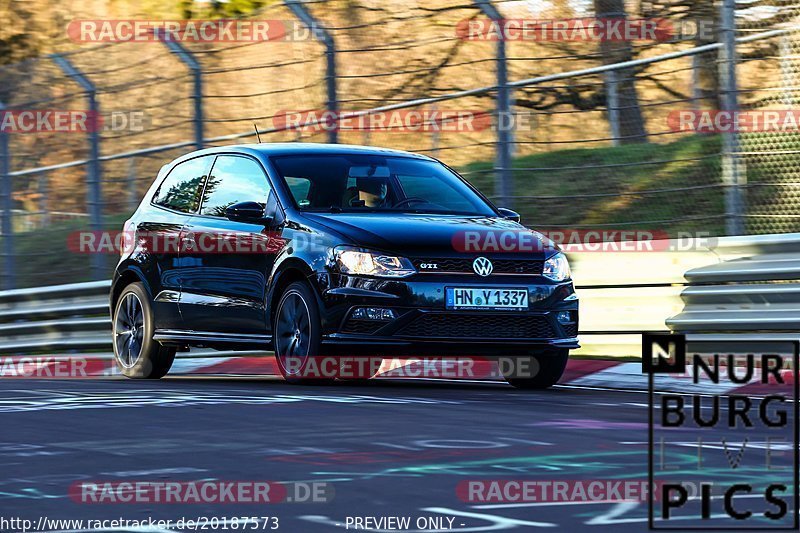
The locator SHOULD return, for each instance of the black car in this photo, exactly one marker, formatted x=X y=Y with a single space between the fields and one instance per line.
x=318 y=250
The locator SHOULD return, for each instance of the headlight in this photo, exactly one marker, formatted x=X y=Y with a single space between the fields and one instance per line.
x=557 y=267
x=361 y=263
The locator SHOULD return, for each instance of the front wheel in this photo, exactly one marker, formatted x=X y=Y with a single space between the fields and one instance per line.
x=297 y=336
x=137 y=355
x=539 y=371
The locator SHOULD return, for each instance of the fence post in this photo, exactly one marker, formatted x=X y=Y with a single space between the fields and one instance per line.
x=94 y=192
x=44 y=202
x=188 y=59
x=6 y=220
x=133 y=197
x=731 y=171
x=325 y=38
x=697 y=93
x=787 y=69
x=504 y=179
x=612 y=105
x=435 y=132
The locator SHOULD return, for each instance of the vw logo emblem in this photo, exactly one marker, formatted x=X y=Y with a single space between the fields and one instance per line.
x=482 y=266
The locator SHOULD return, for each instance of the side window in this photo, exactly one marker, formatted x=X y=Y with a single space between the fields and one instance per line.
x=234 y=179
x=299 y=188
x=181 y=189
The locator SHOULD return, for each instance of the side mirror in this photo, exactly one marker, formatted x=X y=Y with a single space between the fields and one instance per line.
x=252 y=212
x=509 y=214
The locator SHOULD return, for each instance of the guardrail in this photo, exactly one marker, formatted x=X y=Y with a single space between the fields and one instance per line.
x=754 y=288
x=624 y=293
x=713 y=289
x=55 y=319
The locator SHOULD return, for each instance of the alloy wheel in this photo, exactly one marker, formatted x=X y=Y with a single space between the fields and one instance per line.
x=129 y=330
x=293 y=333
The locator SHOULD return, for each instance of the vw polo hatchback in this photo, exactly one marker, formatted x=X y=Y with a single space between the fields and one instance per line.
x=316 y=250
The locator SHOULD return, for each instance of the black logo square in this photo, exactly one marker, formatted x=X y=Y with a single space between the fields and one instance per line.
x=663 y=353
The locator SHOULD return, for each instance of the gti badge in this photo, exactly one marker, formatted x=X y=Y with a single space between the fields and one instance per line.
x=482 y=266
x=429 y=266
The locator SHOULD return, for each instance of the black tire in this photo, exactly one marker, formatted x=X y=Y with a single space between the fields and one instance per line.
x=138 y=356
x=297 y=335
x=544 y=371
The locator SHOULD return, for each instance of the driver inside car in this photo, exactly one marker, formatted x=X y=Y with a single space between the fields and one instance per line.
x=372 y=191
x=368 y=192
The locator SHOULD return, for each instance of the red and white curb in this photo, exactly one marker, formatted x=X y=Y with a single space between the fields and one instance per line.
x=591 y=373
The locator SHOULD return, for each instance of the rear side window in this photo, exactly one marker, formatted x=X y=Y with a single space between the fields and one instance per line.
x=233 y=180
x=183 y=186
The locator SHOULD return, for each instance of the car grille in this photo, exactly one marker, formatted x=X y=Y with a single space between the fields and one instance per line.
x=464 y=265
x=355 y=325
x=479 y=326
x=571 y=330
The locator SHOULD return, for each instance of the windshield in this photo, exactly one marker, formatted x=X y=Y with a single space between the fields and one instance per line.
x=369 y=183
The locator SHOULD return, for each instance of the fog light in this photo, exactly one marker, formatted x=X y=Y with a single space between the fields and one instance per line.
x=373 y=313
x=564 y=317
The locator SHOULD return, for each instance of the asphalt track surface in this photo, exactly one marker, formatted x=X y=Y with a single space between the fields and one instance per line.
x=388 y=448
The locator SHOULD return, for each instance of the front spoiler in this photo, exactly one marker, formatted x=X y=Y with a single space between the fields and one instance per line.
x=432 y=347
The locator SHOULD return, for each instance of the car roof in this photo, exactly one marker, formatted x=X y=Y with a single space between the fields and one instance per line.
x=280 y=149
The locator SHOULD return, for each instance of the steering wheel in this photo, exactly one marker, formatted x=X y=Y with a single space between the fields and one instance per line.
x=409 y=200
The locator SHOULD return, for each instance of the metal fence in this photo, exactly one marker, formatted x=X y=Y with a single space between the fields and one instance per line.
x=582 y=133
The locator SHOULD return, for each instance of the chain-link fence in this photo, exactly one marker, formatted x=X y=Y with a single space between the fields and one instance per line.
x=573 y=132
x=770 y=160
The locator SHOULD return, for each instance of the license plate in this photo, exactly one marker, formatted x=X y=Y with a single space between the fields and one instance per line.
x=482 y=298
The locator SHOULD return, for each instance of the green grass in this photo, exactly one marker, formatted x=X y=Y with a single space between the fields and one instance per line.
x=44 y=257
x=632 y=186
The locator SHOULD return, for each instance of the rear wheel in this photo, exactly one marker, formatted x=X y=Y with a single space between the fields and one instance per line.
x=297 y=335
x=539 y=371
x=137 y=355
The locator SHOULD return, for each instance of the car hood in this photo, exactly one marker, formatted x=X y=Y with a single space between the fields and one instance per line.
x=441 y=235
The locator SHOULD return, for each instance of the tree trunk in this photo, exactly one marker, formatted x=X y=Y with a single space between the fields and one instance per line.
x=707 y=68
x=631 y=122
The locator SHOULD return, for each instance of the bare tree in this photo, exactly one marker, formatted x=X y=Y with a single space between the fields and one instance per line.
x=631 y=127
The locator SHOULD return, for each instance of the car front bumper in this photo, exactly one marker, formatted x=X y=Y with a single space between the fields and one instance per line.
x=424 y=325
